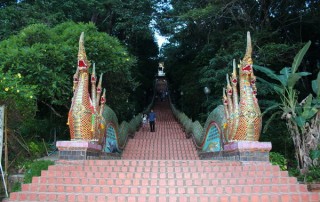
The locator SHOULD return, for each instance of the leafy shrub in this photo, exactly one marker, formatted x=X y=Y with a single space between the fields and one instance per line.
x=16 y=187
x=294 y=172
x=278 y=159
x=313 y=174
x=37 y=149
x=35 y=168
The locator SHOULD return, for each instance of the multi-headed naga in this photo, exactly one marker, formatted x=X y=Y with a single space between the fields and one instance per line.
x=238 y=119
x=243 y=118
x=85 y=116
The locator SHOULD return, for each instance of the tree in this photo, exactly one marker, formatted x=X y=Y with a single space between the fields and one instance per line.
x=18 y=97
x=302 y=118
x=19 y=14
x=111 y=16
x=207 y=35
x=47 y=58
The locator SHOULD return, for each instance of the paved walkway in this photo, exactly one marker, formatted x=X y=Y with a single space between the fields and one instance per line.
x=168 y=142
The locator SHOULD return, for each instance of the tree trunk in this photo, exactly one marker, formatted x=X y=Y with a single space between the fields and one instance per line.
x=305 y=140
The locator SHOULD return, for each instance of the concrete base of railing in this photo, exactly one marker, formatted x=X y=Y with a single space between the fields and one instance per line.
x=241 y=151
x=78 y=150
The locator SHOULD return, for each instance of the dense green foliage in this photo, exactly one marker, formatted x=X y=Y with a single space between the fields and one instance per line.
x=204 y=37
x=35 y=168
x=46 y=58
x=313 y=174
x=18 y=96
x=113 y=17
x=278 y=159
x=39 y=42
x=127 y=20
x=302 y=118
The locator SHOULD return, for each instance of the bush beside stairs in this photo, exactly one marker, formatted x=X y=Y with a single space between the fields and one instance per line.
x=163 y=166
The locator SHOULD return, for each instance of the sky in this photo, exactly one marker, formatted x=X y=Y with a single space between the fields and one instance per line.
x=160 y=39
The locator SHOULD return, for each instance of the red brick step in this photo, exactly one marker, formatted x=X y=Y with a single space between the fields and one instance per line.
x=154 y=182
x=98 y=197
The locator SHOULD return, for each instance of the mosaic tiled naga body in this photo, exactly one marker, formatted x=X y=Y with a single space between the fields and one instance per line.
x=238 y=120
x=243 y=118
x=85 y=116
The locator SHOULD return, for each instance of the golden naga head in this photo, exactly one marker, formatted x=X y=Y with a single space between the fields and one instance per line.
x=246 y=63
x=83 y=63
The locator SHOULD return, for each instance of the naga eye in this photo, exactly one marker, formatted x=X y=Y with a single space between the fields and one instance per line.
x=247 y=68
x=230 y=91
x=103 y=100
x=81 y=63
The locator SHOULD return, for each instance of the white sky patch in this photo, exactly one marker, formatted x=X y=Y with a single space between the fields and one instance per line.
x=160 y=39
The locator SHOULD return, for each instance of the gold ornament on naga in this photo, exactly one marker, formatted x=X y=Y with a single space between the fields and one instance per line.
x=84 y=116
x=244 y=120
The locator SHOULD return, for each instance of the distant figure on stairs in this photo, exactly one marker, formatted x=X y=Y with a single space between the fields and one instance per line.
x=152 y=120
x=144 y=121
x=162 y=95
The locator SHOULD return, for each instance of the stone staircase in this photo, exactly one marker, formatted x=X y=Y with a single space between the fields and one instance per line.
x=167 y=143
x=163 y=166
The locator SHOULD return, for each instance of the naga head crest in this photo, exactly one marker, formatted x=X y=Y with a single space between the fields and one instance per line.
x=99 y=84
x=224 y=99
x=229 y=89
x=93 y=75
x=246 y=63
x=83 y=63
x=233 y=78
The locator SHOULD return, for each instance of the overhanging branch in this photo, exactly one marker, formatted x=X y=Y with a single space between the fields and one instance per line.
x=54 y=111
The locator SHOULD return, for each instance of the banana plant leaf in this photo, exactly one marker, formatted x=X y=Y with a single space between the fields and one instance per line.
x=275 y=87
x=294 y=77
x=308 y=110
x=298 y=58
x=267 y=123
x=270 y=73
x=284 y=75
x=309 y=113
x=314 y=154
x=275 y=106
x=300 y=121
x=316 y=86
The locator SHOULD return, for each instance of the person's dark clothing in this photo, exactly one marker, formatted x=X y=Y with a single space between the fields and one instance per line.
x=152 y=119
x=152 y=126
